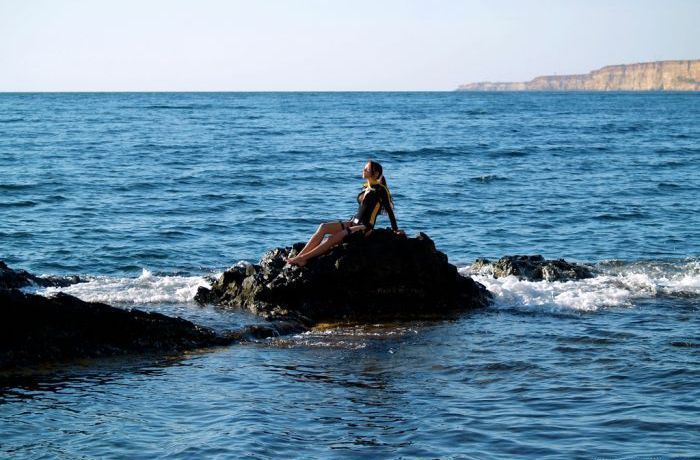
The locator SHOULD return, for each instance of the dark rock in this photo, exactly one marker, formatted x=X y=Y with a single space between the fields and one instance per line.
x=255 y=332
x=204 y=296
x=379 y=277
x=38 y=329
x=15 y=279
x=533 y=268
x=58 y=281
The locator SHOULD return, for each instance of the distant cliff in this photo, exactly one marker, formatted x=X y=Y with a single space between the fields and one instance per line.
x=646 y=76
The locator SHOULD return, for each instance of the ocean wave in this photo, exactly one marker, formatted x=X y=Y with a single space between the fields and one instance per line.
x=488 y=178
x=508 y=153
x=474 y=112
x=621 y=216
x=11 y=187
x=424 y=152
x=144 y=289
x=617 y=284
x=177 y=107
x=623 y=128
x=19 y=204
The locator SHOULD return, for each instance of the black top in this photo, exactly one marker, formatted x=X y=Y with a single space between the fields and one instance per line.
x=376 y=199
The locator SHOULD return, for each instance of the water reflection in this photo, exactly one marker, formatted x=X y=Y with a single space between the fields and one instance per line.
x=85 y=375
x=489 y=382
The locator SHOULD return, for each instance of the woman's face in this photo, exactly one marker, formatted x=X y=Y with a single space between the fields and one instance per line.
x=367 y=171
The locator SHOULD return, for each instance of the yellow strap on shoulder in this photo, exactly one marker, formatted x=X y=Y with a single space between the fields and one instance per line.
x=372 y=182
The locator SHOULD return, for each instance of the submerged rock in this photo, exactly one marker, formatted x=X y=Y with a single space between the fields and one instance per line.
x=533 y=268
x=15 y=279
x=37 y=329
x=379 y=277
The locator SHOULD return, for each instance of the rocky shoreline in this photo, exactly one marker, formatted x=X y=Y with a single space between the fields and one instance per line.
x=37 y=329
x=383 y=277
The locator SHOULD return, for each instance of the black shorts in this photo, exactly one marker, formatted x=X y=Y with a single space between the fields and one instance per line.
x=354 y=222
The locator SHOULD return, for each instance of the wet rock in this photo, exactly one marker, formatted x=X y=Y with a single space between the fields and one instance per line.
x=532 y=268
x=255 y=332
x=36 y=329
x=379 y=277
x=15 y=279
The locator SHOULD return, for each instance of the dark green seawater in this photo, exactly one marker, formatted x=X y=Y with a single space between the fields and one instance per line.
x=146 y=195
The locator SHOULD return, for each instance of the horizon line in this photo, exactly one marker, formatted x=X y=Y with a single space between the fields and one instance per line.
x=336 y=91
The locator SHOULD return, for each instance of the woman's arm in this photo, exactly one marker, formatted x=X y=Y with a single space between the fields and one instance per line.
x=386 y=203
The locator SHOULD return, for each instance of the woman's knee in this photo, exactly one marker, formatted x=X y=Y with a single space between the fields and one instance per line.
x=328 y=228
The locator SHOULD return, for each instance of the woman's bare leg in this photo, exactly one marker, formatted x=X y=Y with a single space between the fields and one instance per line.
x=327 y=228
x=324 y=247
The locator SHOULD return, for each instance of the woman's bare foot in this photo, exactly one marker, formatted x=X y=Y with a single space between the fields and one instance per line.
x=298 y=261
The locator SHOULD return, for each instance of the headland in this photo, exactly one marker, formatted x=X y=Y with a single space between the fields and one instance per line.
x=645 y=76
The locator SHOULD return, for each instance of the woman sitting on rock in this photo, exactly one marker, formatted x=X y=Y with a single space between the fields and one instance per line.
x=373 y=199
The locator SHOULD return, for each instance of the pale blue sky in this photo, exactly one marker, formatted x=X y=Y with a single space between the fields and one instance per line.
x=265 y=45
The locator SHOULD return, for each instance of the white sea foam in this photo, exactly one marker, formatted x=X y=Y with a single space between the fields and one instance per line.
x=147 y=288
x=616 y=285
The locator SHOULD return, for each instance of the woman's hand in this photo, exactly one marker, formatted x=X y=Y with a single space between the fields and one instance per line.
x=400 y=232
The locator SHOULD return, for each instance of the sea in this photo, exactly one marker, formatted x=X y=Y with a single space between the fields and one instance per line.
x=148 y=196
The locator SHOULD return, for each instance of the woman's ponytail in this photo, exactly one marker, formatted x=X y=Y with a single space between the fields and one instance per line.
x=378 y=170
x=388 y=193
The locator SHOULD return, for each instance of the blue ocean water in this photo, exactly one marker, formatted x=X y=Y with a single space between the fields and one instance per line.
x=148 y=194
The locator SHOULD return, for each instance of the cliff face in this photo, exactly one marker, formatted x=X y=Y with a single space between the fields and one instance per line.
x=647 y=76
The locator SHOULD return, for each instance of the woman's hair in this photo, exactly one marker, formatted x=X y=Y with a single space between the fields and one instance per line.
x=378 y=171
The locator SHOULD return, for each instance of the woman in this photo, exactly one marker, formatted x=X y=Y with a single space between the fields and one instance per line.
x=373 y=198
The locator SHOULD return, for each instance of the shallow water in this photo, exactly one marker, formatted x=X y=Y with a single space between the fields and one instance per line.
x=147 y=195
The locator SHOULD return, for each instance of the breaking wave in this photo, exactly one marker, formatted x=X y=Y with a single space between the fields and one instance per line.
x=616 y=284
x=145 y=289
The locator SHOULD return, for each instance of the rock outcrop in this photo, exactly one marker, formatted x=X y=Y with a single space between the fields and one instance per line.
x=36 y=329
x=15 y=279
x=532 y=268
x=647 y=76
x=375 y=278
